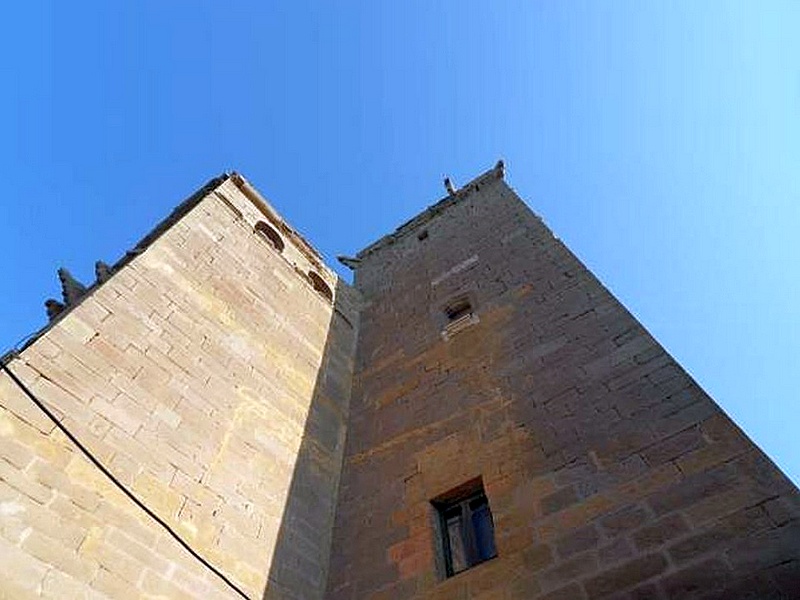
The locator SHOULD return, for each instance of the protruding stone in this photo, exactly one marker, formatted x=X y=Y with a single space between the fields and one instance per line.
x=71 y=289
x=350 y=263
x=102 y=271
x=53 y=307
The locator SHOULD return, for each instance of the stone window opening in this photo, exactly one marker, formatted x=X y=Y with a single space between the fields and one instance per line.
x=322 y=288
x=465 y=527
x=458 y=315
x=458 y=309
x=270 y=235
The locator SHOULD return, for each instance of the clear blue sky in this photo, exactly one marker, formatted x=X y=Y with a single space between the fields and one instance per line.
x=660 y=140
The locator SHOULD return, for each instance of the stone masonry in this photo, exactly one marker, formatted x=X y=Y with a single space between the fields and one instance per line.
x=212 y=379
x=609 y=472
x=293 y=430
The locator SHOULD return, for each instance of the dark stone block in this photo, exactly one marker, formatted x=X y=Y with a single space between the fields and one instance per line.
x=659 y=532
x=648 y=591
x=627 y=519
x=615 y=552
x=699 y=544
x=693 y=489
x=625 y=576
x=558 y=500
x=673 y=447
x=786 y=577
x=570 y=592
x=697 y=581
x=569 y=571
x=537 y=557
x=766 y=549
x=752 y=587
x=578 y=541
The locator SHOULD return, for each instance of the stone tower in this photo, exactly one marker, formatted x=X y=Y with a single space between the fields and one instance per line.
x=492 y=364
x=209 y=374
x=476 y=417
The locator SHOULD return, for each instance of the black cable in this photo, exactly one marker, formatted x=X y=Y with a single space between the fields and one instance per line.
x=119 y=484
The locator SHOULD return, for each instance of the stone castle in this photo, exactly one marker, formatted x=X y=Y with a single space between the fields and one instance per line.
x=476 y=417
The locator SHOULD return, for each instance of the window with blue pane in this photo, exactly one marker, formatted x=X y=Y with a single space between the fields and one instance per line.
x=466 y=528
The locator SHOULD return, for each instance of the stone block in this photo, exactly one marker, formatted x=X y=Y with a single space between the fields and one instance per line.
x=569 y=571
x=674 y=446
x=559 y=500
x=537 y=557
x=765 y=549
x=584 y=538
x=625 y=576
x=569 y=592
x=624 y=520
x=698 y=580
x=660 y=532
x=53 y=553
x=693 y=489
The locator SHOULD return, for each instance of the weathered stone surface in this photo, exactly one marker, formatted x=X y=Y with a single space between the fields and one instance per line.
x=213 y=380
x=602 y=460
x=625 y=576
x=660 y=532
x=211 y=374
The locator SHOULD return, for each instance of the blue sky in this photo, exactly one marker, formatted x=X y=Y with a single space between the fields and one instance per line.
x=661 y=142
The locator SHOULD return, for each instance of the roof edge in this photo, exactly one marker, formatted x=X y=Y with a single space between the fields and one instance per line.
x=496 y=172
x=156 y=232
x=314 y=256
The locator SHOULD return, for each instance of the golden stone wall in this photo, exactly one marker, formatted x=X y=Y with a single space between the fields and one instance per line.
x=212 y=380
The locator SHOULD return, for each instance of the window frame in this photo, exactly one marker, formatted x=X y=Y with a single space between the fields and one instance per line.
x=468 y=533
x=458 y=310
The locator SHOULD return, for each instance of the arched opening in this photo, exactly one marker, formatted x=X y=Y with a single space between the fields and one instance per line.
x=323 y=289
x=269 y=234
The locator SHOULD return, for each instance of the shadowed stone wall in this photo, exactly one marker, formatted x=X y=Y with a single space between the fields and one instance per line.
x=609 y=472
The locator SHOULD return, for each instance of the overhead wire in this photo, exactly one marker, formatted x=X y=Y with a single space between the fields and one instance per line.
x=121 y=486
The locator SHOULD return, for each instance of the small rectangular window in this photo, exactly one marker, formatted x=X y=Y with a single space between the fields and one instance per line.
x=458 y=315
x=458 y=310
x=466 y=528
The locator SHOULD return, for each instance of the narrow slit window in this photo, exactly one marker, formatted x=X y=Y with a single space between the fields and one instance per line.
x=269 y=234
x=466 y=528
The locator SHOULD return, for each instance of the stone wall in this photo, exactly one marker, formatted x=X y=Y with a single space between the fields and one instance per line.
x=212 y=376
x=212 y=379
x=609 y=472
